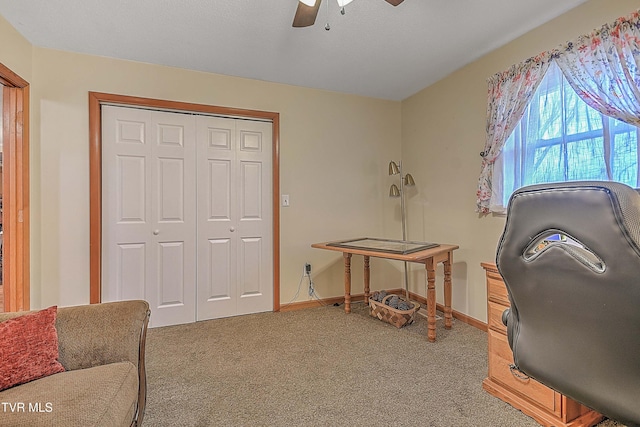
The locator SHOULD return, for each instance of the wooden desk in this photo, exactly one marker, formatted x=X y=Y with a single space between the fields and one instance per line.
x=429 y=257
x=546 y=406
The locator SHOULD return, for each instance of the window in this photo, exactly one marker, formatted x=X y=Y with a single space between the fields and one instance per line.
x=561 y=138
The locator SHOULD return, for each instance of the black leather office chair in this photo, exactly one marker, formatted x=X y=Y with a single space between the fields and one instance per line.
x=570 y=258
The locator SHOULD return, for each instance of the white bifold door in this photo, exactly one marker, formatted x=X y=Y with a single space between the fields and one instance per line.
x=186 y=213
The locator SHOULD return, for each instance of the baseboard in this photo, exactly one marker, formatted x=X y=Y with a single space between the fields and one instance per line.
x=360 y=297
x=301 y=305
x=456 y=314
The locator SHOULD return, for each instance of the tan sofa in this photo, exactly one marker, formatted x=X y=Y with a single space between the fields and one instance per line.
x=101 y=347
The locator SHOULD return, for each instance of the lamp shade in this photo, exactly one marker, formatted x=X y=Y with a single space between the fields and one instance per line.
x=408 y=180
x=394 y=191
x=309 y=3
x=393 y=168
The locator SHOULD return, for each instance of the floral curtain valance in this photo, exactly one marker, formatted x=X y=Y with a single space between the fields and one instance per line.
x=603 y=69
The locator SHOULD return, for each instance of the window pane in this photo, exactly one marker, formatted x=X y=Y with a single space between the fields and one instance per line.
x=585 y=160
x=560 y=138
x=624 y=151
x=546 y=166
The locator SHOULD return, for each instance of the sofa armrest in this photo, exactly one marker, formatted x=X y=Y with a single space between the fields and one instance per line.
x=97 y=334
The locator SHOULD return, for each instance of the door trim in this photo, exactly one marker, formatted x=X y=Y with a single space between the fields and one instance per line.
x=96 y=99
x=15 y=190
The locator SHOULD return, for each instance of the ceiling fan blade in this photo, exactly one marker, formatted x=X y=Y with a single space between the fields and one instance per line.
x=306 y=15
x=394 y=2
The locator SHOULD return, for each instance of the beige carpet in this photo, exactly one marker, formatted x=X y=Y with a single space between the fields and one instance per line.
x=321 y=367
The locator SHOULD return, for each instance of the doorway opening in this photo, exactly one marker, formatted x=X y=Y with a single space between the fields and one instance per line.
x=1 y=140
x=14 y=196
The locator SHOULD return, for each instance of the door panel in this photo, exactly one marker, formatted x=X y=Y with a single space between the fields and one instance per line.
x=219 y=194
x=217 y=210
x=250 y=191
x=170 y=190
x=171 y=286
x=131 y=177
x=255 y=258
x=149 y=211
x=131 y=271
x=173 y=233
x=234 y=162
x=216 y=286
x=219 y=260
x=250 y=263
x=126 y=209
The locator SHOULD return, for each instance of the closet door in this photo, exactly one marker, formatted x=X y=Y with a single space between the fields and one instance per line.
x=235 y=260
x=149 y=218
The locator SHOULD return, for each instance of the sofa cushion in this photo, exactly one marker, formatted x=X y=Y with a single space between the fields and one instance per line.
x=104 y=395
x=29 y=348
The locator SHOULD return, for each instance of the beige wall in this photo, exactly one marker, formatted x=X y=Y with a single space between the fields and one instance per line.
x=443 y=132
x=334 y=151
x=15 y=50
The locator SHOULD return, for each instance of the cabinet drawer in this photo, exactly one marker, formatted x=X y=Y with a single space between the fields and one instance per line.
x=495 y=317
x=500 y=357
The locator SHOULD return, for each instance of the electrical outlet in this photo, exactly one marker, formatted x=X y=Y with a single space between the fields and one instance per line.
x=307 y=268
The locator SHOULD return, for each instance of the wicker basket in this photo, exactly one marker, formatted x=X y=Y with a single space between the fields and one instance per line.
x=397 y=318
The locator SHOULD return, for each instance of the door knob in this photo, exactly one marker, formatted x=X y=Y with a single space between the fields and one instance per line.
x=232 y=229
x=156 y=232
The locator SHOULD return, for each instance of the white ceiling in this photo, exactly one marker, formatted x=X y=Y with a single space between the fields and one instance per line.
x=373 y=50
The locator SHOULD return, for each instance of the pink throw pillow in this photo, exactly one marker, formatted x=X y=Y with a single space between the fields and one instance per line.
x=29 y=348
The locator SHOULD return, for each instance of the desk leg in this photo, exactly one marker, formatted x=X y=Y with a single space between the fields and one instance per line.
x=367 y=280
x=447 y=291
x=431 y=299
x=347 y=282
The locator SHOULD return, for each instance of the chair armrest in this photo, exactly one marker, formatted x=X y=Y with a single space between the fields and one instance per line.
x=505 y=317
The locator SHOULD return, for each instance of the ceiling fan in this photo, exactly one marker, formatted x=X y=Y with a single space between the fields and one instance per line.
x=308 y=10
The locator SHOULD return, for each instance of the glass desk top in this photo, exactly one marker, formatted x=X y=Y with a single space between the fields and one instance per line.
x=384 y=245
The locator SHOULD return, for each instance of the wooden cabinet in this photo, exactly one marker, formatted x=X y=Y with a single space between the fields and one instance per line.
x=546 y=406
